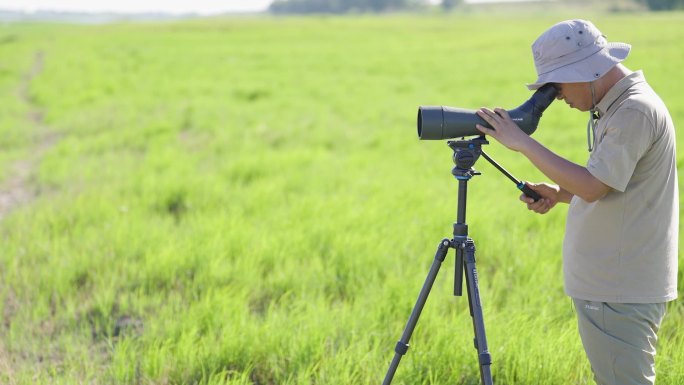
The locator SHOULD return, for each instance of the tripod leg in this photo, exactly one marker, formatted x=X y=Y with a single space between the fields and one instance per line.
x=402 y=346
x=458 y=272
x=475 y=303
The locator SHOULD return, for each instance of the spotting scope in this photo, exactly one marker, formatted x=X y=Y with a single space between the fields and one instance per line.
x=442 y=122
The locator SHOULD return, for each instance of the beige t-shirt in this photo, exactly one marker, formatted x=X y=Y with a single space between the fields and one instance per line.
x=623 y=247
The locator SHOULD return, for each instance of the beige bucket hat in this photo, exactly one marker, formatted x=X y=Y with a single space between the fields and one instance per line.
x=574 y=51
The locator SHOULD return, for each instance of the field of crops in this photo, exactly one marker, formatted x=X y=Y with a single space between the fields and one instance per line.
x=244 y=200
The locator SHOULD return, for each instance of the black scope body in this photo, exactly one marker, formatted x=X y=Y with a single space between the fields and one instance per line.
x=442 y=122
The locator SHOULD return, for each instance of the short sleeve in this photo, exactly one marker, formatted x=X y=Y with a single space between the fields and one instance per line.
x=625 y=139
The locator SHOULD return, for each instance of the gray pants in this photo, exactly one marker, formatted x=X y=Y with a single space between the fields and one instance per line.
x=620 y=340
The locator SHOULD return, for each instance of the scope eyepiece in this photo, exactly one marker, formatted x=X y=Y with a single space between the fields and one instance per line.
x=442 y=122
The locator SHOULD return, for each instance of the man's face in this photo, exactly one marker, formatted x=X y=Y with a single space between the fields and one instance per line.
x=576 y=95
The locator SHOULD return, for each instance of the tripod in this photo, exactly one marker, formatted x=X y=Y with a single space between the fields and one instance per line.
x=466 y=153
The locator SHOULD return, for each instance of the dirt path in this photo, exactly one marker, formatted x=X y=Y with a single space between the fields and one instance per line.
x=17 y=189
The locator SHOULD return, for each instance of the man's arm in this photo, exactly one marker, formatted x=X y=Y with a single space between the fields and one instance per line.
x=571 y=177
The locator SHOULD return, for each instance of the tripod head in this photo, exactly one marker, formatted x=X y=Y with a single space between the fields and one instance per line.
x=466 y=153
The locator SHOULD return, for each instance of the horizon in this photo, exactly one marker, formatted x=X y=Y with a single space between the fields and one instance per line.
x=105 y=11
x=203 y=7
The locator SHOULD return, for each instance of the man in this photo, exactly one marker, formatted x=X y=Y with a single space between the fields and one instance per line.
x=620 y=246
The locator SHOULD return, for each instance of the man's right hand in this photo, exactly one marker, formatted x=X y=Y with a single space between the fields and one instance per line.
x=550 y=195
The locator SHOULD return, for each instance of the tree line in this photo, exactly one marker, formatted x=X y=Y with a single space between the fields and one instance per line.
x=361 y=6
x=344 y=6
x=663 y=5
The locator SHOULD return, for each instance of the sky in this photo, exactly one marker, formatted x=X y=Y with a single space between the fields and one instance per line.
x=133 y=6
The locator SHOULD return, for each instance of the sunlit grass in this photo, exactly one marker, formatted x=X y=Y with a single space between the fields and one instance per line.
x=245 y=201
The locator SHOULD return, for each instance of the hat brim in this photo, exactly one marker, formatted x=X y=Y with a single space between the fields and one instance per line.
x=585 y=70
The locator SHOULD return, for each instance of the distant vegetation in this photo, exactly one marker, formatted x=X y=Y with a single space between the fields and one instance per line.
x=356 y=6
x=663 y=5
x=343 y=6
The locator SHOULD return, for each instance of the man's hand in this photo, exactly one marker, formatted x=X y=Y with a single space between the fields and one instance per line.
x=505 y=130
x=550 y=195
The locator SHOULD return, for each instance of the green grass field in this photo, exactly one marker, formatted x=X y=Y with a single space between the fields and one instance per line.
x=245 y=201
